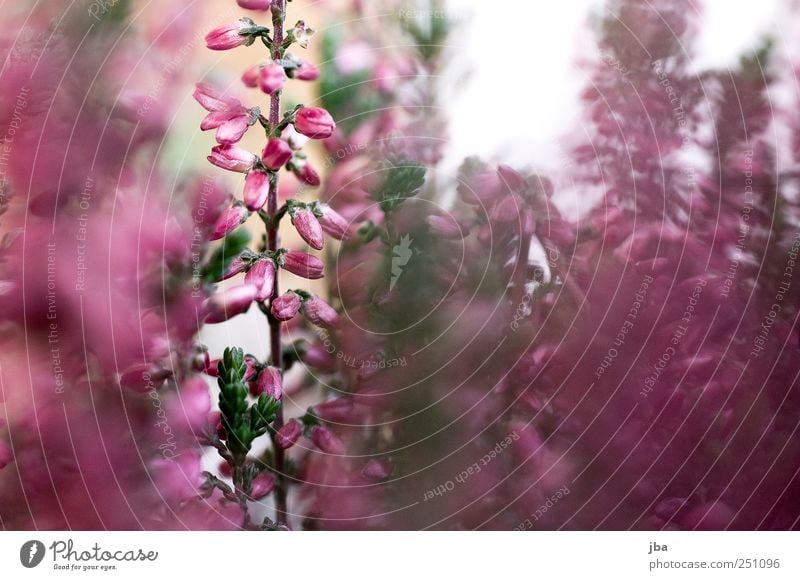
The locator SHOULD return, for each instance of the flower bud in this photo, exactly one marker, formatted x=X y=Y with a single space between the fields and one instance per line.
x=318 y=356
x=327 y=441
x=271 y=78
x=262 y=276
x=232 y=158
x=256 y=189
x=288 y=434
x=230 y=219
x=303 y=265
x=378 y=469
x=338 y=409
x=314 y=122
x=320 y=313
x=228 y=36
x=333 y=223
x=276 y=154
x=304 y=172
x=286 y=306
x=295 y=140
x=228 y=303
x=250 y=76
x=305 y=71
x=262 y=5
x=269 y=383
x=237 y=266
x=263 y=483
x=306 y=224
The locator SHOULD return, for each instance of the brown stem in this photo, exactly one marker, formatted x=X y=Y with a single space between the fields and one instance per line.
x=281 y=513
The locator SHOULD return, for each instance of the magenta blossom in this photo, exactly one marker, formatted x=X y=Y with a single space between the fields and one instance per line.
x=229 y=36
x=276 y=154
x=303 y=265
x=269 y=383
x=229 y=303
x=320 y=313
x=232 y=158
x=314 y=122
x=271 y=78
x=262 y=5
x=263 y=483
x=226 y=115
x=256 y=189
x=333 y=223
x=288 y=435
x=327 y=441
x=309 y=228
x=304 y=172
x=230 y=219
x=262 y=276
x=286 y=306
x=304 y=71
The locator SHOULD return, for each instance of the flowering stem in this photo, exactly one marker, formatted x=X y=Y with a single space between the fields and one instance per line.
x=281 y=514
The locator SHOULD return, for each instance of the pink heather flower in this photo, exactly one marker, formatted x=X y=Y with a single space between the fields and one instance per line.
x=286 y=306
x=327 y=441
x=317 y=356
x=314 y=122
x=210 y=99
x=6 y=456
x=271 y=78
x=225 y=114
x=230 y=219
x=276 y=154
x=232 y=158
x=262 y=276
x=178 y=478
x=320 y=313
x=288 y=434
x=228 y=36
x=269 y=383
x=333 y=223
x=305 y=71
x=250 y=371
x=263 y=483
x=229 y=303
x=193 y=404
x=338 y=409
x=309 y=228
x=256 y=189
x=378 y=469
x=304 y=172
x=237 y=266
x=262 y=5
x=508 y=209
x=303 y=265
x=445 y=227
x=250 y=76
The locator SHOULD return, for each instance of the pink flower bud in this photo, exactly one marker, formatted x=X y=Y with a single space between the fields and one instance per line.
x=327 y=441
x=378 y=469
x=269 y=383
x=262 y=276
x=271 y=78
x=338 y=409
x=256 y=189
x=230 y=125
x=305 y=71
x=250 y=370
x=227 y=36
x=314 y=122
x=320 y=313
x=306 y=224
x=228 y=303
x=288 y=434
x=263 y=483
x=232 y=158
x=303 y=265
x=277 y=153
x=250 y=76
x=194 y=403
x=333 y=223
x=212 y=101
x=6 y=455
x=213 y=368
x=237 y=266
x=230 y=219
x=319 y=357
x=445 y=227
x=305 y=173
x=286 y=306
x=262 y=5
